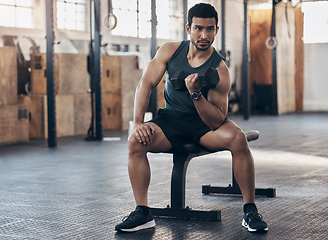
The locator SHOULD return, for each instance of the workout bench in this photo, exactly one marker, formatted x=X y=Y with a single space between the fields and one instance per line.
x=178 y=180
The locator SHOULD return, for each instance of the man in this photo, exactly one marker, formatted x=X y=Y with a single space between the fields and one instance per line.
x=198 y=114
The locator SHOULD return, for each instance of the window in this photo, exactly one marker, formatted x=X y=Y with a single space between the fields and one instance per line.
x=127 y=18
x=71 y=15
x=163 y=19
x=134 y=18
x=144 y=19
x=315 y=22
x=17 y=13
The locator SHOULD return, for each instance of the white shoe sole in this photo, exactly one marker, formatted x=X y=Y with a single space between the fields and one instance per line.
x=147 y=225
x=245 y=225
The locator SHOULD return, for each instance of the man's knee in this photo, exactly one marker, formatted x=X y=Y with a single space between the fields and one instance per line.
x=134 y=146
x=238 y=141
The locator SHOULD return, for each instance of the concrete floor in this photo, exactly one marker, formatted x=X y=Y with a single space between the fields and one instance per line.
x=80 y=190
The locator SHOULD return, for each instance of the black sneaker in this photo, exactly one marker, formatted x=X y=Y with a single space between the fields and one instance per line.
x=136 y=221
x=253 y=221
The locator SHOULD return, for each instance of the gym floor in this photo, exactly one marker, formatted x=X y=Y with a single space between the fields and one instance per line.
x=81 y=190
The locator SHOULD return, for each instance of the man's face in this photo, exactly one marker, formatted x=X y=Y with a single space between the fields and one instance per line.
x=202 y=32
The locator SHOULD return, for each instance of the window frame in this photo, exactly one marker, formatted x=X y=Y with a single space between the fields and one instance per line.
x=39 y=28
x=86 y=8
x=16 y=7
x=73 y=34
x=172 y=17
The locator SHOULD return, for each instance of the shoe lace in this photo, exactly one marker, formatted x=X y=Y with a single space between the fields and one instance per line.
x=133 y=215
x=254 y=216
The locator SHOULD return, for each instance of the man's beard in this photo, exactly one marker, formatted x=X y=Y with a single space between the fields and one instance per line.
x=202 y=49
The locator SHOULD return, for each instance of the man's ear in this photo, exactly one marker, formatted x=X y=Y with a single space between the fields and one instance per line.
x=188 y=28
x=217 y=29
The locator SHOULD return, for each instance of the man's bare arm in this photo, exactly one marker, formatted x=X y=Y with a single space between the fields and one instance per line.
x=213 y=111
x=149 y=80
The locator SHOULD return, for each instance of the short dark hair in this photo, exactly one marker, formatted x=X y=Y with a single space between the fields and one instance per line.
x=202 y=10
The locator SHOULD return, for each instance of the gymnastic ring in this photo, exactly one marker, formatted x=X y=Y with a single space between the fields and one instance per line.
x=271 y=42
x=107 y=21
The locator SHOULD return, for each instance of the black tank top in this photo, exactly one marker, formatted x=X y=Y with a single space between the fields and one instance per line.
x=180 y=100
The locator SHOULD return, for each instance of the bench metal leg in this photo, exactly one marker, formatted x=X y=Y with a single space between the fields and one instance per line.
x=235 y=190
x=230 y=190
x=186 y=213
x=178 y=181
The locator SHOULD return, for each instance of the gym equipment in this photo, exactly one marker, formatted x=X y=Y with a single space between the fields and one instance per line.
x=178 y=183
x=51 y=95
x=271 y=42
x=208 y=77
x=110 y=20
x=95 y=131
x=178 y=80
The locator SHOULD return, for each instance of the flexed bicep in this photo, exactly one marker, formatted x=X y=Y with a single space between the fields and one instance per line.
x=219 y=95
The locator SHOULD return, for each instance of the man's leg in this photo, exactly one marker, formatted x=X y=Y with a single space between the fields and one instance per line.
x=139 y=170
x=230 y=137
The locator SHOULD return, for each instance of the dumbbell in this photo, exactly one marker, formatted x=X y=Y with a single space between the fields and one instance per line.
x=208 y=77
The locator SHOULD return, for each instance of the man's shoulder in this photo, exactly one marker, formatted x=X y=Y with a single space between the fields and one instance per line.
x=171 y=46
x=167 y=50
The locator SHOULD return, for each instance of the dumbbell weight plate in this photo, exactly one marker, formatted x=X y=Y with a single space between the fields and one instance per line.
x=178 y=80
x=212 y=77
x=208 y=77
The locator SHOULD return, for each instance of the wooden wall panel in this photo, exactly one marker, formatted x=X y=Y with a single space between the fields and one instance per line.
x=37 y=105
x=261 y=59
x=14 y=125
x=39 y=115
x=71 y=74
x=73 y=77
x=38 y=73
x=299 y=58
x=82 y=113
x=131 y=75
x=120 y=77
x=261 y=63
x=64 y=115
x=112 y=111
x=8 y=76
x=285 y=58
x=111 y=74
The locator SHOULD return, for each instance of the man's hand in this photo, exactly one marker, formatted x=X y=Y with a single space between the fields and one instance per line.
x=192 y=83
x=144 y=132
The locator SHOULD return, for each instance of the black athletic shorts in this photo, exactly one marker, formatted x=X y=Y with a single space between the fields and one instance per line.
x=180 y=128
